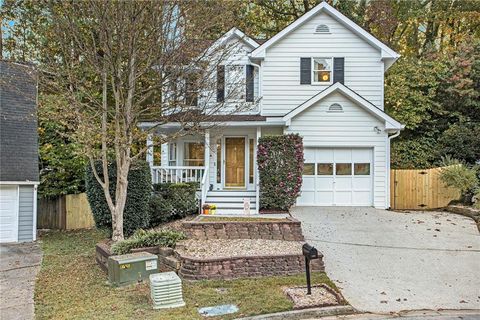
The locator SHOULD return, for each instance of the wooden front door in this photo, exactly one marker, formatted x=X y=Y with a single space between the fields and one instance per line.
x=235 y=162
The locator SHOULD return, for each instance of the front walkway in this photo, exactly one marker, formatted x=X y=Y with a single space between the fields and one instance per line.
x=19 y=265
x=387 y=261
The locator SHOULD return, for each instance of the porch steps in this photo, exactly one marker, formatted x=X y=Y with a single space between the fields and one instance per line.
x=231 y=201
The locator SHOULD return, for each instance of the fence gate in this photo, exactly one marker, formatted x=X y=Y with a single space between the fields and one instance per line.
x=419 y=189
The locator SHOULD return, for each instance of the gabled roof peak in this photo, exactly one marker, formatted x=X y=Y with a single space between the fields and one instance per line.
x=387 y=53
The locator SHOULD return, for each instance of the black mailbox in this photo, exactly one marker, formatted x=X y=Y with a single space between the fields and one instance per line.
x=309 y=251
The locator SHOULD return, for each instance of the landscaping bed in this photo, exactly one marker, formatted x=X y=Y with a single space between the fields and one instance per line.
x=230 y=259
x=271 y=229
x=70 y=286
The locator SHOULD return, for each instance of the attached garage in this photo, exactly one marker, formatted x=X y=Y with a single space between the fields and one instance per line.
x=8 y=213
x=337 y=177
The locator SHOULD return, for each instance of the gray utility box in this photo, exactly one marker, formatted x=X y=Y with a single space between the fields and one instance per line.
x=131 y=268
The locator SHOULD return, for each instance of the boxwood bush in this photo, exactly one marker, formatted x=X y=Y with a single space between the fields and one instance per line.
x=150 y=238
x=280 y=165
x=172 y=201
x=136 y=214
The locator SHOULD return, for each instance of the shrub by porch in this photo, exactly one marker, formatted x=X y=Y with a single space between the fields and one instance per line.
x=280 y=166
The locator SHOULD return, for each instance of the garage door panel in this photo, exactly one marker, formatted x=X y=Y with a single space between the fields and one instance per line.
x=343 y=198
x=342 y=177
x=8 y=214
x=324 y=198
x=343 y=183
x=362 y=198
x=306 y=198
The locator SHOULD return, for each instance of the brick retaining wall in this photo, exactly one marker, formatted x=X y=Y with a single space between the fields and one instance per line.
x=288 y=229
x=248 y=266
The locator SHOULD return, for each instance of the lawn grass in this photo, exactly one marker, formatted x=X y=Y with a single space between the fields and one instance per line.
x=71 y=286
x=239 y=219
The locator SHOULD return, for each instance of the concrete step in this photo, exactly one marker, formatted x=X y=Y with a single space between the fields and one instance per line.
x=230 y=205
x=231 y=193
x=233 y=211
x=229 y=199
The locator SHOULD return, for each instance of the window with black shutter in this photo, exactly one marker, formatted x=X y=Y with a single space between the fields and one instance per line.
x=220 y=83
x=249 y=84
x=339 y=70
x=305 y=71
x=191 y=90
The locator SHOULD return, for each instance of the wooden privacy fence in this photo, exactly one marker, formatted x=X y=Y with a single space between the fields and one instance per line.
x=419 y=189
x=67 y=212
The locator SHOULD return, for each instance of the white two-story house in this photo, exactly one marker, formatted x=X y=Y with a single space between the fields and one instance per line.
x=321 y=77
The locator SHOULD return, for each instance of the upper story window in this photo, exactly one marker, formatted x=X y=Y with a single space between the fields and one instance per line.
x=235 y=82
x=322 y=70
x=322 y=28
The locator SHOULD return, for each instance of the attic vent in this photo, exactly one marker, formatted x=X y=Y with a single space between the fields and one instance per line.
x=335 y=108
x=322 y=28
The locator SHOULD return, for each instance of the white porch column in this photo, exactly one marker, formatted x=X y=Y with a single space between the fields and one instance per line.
x=207 y=149
x=165 y=156
x=257 y=175
x=149 y=155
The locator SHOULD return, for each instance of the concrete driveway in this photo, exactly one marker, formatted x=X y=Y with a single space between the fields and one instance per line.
x=19 y=265
x=386 y=261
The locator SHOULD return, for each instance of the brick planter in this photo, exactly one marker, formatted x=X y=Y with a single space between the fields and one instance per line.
x=193 y=268
x=288 y=229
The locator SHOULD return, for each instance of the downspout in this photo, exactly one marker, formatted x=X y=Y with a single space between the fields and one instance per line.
x=393 y=136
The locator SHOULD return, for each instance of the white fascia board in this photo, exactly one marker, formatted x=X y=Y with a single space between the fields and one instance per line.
x=267 y=123
x=20 y=182
x=226 y=36
x=260 y=51
x=390 y=123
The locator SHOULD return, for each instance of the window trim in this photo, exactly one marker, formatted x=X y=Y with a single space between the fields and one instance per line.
x=312 y=72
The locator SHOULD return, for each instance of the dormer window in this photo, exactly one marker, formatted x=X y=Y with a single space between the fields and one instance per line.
x=335 y=107
x=322 y=28
x=322 y=71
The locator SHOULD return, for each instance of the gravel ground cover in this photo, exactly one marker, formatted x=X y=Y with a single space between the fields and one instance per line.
x=321 y=296
x=240 y=247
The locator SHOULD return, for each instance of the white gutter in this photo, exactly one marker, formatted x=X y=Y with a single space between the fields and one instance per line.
x=393 y=136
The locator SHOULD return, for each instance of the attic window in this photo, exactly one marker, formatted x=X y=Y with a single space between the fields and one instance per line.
x=335 y=107
x=322 y=28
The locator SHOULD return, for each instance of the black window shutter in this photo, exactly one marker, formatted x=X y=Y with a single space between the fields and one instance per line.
x=305 y=70
x=191 y=96
x=339 y=70
x=249 y=84
x=220 y=83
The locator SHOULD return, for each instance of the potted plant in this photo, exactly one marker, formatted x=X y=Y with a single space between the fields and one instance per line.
x=213 y=209
x=206 y=208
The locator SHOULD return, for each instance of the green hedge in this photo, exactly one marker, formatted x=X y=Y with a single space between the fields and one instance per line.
x=136 y=214
x=280 y=165
x=151 y=238
x=172 y=201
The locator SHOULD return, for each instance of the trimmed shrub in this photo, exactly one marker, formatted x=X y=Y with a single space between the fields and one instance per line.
x=171 y=201
x=280 y=165
x=135 y=215
x=457 y=175
x=150 y=238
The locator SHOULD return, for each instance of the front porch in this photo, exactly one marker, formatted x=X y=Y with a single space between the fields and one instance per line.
x=221 y=160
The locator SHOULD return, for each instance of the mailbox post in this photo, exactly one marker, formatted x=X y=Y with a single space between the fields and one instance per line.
x=309 y=252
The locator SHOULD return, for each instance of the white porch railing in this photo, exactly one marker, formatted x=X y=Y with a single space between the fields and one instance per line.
x=178 y=174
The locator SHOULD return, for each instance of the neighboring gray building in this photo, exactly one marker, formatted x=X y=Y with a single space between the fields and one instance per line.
x=18 y=152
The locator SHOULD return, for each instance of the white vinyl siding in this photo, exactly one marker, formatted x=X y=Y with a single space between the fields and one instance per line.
x=352 y=128
x=25 y=214
x=281 y=87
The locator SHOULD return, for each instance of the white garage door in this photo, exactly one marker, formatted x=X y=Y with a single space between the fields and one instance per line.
x=337 y=177
x=8 y=214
